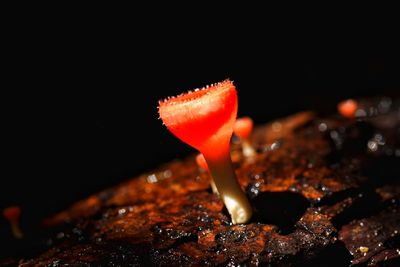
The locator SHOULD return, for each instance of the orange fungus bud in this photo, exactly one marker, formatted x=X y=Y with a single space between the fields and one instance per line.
x=12 y=213
x=201 y=161
x=243 y=127
x=348 y=108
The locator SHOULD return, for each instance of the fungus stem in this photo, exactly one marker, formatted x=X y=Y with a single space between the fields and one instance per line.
x=234 y=198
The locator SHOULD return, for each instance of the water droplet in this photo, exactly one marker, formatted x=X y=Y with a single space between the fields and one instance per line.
x=384 y=104
x=372 y=146
x=121 y=211
x=274 y=146
x=55 y=263
x=60 y=235
x=373 y=111
x=379 y=138
x=322 y=127
x=167 y=174
x=152 y=178
x=389 y=151
x=361 y=113
x=334 y=135
x=254 y=190
x=276 y=126
x=337 y=139
x=363 y=249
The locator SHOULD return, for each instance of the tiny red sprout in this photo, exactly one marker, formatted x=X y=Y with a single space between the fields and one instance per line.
x=13 y=214
x=201 y=161
x=243 y=127
x=204 y=119
x=348 y=108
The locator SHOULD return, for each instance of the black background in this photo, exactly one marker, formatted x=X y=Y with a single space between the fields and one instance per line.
x=80 y=105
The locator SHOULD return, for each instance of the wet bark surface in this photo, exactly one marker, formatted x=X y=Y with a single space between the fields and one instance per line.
x=325 y=192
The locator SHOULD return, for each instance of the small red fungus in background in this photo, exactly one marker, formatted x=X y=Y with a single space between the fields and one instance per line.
x=201 y=161
x=204 y=119
x=13 y=214
x=243 y=128
x=348 y=108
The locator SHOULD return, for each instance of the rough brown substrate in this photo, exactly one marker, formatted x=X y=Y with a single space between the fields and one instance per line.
x=325 y=193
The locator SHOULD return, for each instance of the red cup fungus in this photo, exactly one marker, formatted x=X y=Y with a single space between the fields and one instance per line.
x=204 y=119
x=243 y=128
x=13 y=214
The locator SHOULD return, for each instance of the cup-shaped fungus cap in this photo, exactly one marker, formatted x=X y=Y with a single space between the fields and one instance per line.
x=348 y=108
x=243 y=127
x=203 y=118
